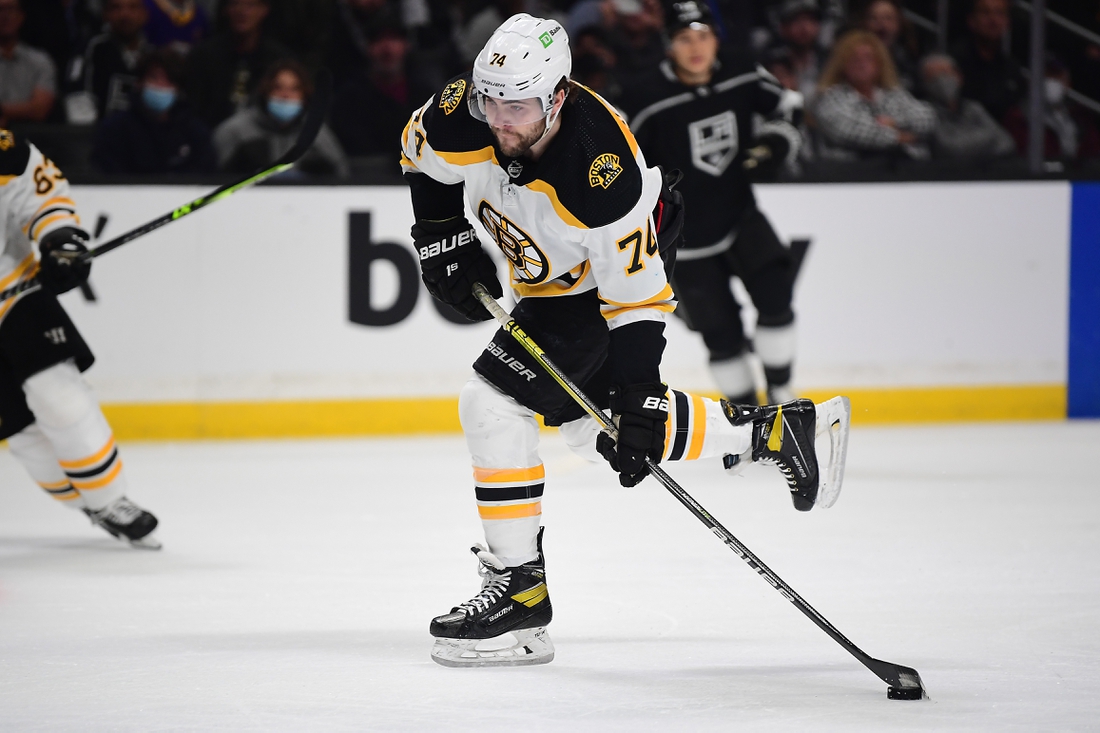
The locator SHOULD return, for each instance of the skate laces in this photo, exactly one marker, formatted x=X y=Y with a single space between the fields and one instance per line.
x=493 y=582
x=121 y=511
x=494 y=585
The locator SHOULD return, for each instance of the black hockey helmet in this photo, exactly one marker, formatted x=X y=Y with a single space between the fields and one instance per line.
x=689 y=14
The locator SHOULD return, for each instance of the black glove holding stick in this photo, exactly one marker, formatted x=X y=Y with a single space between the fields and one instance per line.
x=451 y=261
x=61 y=267
x=640 y=408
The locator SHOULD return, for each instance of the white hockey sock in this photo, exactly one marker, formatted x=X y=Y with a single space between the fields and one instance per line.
x=69 y=417
x=734 y=377
x=503 y=437
x=31 y=448
x=697 y=428
x=775 y=345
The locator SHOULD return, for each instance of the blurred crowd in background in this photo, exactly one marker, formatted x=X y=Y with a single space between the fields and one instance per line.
x=177 y=88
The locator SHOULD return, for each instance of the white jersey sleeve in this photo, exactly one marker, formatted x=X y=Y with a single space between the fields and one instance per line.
x=35 y=200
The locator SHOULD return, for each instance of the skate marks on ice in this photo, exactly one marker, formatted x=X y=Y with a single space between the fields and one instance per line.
x=298 y=579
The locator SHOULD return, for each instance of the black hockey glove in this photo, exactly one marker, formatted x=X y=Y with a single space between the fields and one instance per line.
x=61 y=270
x=451 y=261
x=767 y=154
x=640 y=412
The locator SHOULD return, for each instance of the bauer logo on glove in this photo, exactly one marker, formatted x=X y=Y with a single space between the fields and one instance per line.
x=448 y=244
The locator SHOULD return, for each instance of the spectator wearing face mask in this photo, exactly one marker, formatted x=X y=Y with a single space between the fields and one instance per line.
x=158 y=134
x=258 y=135
x=861 y=110
x=1069 y=132
x=224 y=71
x=964 y=129
x=28 y=79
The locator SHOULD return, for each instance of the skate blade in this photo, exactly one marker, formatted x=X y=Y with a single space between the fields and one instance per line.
x=148 y=542
x=530 y=646
x=834 y=418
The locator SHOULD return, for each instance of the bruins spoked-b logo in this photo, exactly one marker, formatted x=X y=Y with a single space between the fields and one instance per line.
x=451 y=96
x=529 y=264
x=604 y=170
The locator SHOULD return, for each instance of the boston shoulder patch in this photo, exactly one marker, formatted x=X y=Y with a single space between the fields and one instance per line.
x=604 y=170
x=451 y=96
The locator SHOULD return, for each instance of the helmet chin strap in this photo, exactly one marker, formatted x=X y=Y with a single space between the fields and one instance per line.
x=550 y=120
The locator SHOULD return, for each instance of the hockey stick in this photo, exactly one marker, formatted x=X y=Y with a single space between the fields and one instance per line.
x=314 y=119
x=904 y=682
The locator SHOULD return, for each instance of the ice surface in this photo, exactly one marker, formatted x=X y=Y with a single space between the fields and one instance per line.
x=298 y=579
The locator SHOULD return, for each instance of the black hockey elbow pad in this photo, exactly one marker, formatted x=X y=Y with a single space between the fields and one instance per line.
x=62 y=269
x=451 y=261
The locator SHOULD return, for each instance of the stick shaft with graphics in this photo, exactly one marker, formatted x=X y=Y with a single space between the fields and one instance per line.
x=314 y=119
x=892 y=674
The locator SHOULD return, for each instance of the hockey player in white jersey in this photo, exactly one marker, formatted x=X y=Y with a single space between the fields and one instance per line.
x=556 y=178
x=48 y=414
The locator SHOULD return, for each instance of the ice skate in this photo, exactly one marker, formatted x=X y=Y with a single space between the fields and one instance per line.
x=504 y=624
x=125 y=520
x=785 y=434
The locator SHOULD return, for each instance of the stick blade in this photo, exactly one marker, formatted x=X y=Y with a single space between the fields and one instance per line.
x=904 y=682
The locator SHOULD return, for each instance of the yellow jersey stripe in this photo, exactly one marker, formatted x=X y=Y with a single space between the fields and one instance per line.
x=469 y=157
x=56 y=201
x=92 y=459
x=662 y=307
x=554 y=287
x=50 y=220
x=53 y=486
x=511 y=511
x=618 y=118
x=665 y=294
x=565 y=214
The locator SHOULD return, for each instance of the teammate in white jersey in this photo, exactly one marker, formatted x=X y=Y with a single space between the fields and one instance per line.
x=589 y=231
x=48 y=414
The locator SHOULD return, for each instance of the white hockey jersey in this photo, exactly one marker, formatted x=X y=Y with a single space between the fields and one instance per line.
x=34 y=201
x=579 y=218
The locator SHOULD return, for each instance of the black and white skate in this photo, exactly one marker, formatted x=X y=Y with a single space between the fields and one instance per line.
x=504 y=624
x=784 y=434
x=127 y=521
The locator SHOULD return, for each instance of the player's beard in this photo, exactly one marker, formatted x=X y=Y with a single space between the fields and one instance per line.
x=515 y=143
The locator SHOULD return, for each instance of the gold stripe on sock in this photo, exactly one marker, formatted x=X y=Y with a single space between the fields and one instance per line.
x=510 y=511
x=99 y=483
x=93 y=459
x=698 y=427
x=509 y=475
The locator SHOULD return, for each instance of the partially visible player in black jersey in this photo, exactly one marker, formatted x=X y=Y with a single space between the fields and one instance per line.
x=720 y=120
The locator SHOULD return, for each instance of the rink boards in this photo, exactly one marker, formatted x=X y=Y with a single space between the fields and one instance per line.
x=298 y=311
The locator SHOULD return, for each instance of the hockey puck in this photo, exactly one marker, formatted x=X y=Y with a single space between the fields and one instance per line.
x=905 y=693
